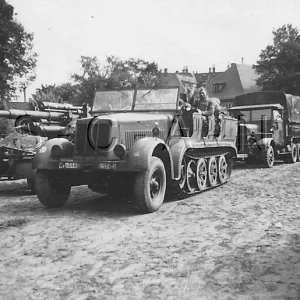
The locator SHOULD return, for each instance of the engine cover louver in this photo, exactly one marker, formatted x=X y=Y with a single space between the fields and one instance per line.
x=131 y=136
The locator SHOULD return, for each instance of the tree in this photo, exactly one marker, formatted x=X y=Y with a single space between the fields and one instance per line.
x=17 y=59
x=279 y=64
x=116 y=73
x=88 y=81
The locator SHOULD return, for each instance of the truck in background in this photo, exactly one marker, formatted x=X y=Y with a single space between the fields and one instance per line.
x=268 y=127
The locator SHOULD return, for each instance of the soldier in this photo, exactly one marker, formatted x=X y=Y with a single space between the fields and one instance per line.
x=208 y=106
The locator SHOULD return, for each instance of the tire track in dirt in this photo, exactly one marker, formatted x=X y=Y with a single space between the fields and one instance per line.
x=226 y=243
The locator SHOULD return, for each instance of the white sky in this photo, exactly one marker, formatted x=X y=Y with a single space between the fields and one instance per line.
x=172 y=33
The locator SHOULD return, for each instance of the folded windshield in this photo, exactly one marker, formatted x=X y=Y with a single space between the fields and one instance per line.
x=146 y=99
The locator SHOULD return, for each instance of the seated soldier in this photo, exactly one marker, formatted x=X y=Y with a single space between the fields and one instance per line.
x=208 y=106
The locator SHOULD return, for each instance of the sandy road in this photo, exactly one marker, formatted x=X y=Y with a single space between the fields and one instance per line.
x=238 y=241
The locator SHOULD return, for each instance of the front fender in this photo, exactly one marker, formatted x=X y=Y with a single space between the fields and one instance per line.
x=264 y=142
x=43 y=157
x=138 y=157
x=177 y=153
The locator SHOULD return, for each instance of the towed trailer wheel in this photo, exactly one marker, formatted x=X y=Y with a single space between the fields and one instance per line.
x=50 y=191
x=212 y=171
x=150 y=186
x=201 y=174
x=223 y=169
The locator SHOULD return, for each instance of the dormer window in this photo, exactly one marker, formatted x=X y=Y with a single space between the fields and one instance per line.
x=218 y=87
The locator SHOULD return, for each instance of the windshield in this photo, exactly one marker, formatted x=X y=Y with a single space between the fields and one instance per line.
x=113 y=100
x=253 y=115
x=156 y=99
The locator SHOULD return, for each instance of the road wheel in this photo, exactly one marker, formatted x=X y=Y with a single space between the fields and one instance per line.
x=51 y=192
x=268 y=157
x=223 y=169
x=191 y=171
x=212 y=171
x=298 y=151
x=201 y=174
x=291 y=157
x=150 y=186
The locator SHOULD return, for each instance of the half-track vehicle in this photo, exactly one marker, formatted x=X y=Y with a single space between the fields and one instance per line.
x=268 y=127
x=33 y=127
x=139 y=143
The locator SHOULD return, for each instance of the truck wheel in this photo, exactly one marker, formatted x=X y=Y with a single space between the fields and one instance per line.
x=268 y=157
x=150 y=186
x=51 y=192
x=298 y=151
x=291 y=157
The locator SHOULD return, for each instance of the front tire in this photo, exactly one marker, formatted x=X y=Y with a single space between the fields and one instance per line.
x=268 y=157
x=150 y=187
x=51 y=192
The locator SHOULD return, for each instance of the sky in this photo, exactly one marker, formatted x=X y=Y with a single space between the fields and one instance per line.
x=194 y=33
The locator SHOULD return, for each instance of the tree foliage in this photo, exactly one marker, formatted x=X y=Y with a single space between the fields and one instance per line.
x=279 y=63
x=115 y=73
x=17 y=59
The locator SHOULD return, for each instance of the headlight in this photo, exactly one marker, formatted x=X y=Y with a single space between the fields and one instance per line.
x=120 y=151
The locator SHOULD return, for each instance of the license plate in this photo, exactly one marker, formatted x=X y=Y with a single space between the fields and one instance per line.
x=107 y=166
x=242 y=155
x=69 y=165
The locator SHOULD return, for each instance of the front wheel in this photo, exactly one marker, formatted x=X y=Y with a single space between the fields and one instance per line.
x=268 y=157
x=150 y=186
x=51 y=192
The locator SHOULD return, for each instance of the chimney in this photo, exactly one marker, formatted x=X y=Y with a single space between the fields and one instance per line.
x=214 y=69
x=242 y=60
x=210 y=70
x=165 y=71
x=186 y=69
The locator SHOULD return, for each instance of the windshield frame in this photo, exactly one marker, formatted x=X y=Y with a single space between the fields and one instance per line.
x=135 y=91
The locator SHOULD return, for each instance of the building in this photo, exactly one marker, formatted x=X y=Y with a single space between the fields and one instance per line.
x=238 y=79
x=183 y=79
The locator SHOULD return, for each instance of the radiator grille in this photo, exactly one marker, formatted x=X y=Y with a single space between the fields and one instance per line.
x=90 y=139
x=131 y=136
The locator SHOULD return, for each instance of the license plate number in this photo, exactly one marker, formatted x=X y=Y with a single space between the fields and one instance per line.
x=69 y=165
x=107 y=166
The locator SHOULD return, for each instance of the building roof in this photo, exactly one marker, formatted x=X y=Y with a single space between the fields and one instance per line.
x=236 y=80
x=182 y=80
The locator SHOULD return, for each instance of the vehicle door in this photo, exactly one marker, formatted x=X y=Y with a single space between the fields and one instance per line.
x=277 y=128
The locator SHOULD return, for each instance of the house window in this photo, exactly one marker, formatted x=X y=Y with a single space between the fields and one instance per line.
x=218 y=87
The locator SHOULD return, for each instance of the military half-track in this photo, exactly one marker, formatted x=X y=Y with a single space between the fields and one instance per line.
x=138 y=143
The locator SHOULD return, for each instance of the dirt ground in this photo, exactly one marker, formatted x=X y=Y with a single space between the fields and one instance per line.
x=238 y=241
